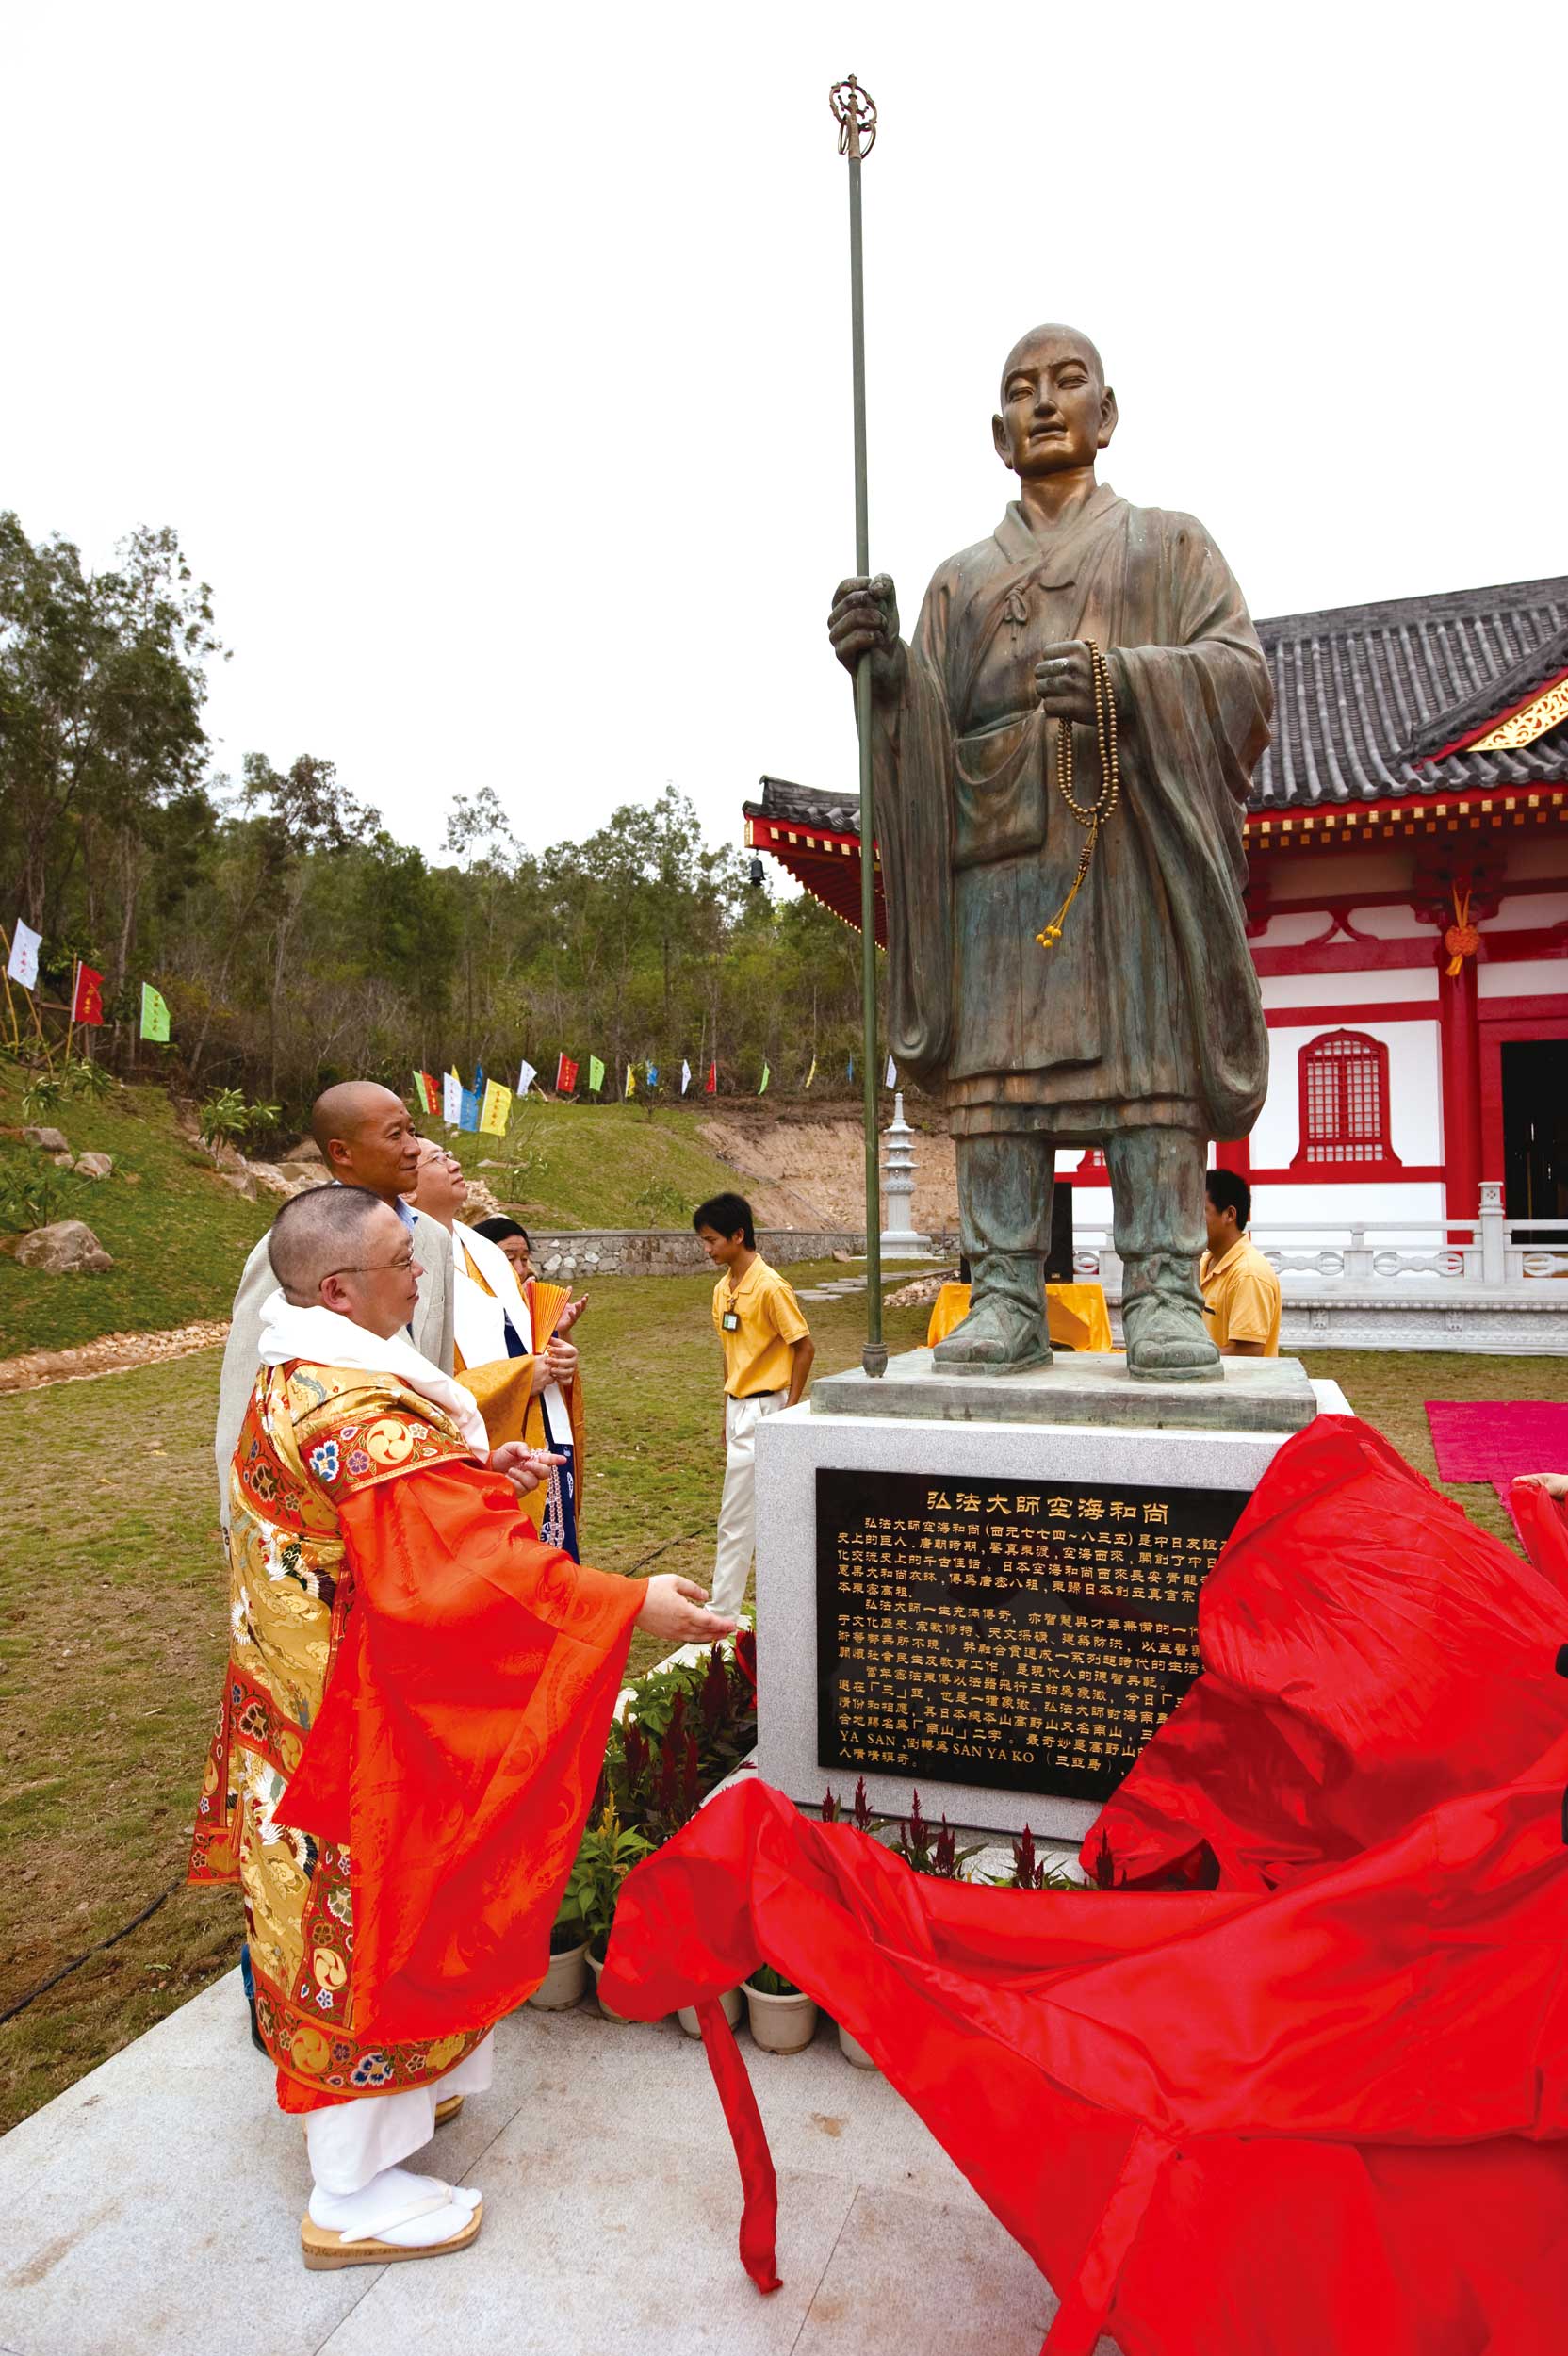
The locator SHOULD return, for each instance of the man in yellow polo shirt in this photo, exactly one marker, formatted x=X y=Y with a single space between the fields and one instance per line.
x=1241 y=1291
x=768 y=1351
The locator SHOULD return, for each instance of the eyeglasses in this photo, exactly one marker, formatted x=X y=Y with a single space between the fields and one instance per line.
x=403 y=1264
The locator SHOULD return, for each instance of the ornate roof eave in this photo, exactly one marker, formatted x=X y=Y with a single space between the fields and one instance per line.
x=1440 y=811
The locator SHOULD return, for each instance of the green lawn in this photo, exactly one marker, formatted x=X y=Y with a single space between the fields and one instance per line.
x=112 y=1608
x=177 y=1234
x=598 y=1164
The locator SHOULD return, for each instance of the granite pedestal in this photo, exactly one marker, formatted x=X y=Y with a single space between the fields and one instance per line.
x=986 y=1590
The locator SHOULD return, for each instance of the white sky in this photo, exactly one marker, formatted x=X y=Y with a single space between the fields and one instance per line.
x=492 y=364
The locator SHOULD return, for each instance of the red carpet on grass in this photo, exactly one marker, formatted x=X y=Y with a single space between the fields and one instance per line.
x=1495 y=1440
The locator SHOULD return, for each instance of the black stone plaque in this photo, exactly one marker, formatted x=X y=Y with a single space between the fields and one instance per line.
x=1023 y=1635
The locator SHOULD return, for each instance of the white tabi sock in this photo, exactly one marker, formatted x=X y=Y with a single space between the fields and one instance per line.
x=373 y=2214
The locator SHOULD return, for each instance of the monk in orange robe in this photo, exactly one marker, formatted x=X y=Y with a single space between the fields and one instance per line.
x=510 y=1346
x=412 y=1727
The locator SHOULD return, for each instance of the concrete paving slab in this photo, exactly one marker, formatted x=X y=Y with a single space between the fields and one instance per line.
x=607 y=2243
x=900 y=2255
x=154 y=2211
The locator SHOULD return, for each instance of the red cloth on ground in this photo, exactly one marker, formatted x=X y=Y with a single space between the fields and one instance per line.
x=459 y=1745
x=1497 y=1439
x=1247 y=2122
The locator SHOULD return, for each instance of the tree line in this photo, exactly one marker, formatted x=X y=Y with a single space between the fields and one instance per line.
x=297 y=942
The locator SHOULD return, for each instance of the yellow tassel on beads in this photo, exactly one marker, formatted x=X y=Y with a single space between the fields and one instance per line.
x=1053 y=932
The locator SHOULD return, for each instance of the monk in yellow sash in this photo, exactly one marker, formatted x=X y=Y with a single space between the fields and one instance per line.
x=511 y=1349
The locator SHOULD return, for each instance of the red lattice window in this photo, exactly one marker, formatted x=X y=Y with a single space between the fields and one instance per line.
x=1344 y=1101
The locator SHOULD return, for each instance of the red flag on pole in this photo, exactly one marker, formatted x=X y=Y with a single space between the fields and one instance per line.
x=428 y=1094
x=565 y=1075
x=710 y=1085
x=87 y=999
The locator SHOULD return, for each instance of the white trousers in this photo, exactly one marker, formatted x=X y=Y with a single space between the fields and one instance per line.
x=738 y=1507
x=354 y=2141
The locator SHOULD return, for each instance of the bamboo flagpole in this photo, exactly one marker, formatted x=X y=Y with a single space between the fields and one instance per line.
x=855 y=111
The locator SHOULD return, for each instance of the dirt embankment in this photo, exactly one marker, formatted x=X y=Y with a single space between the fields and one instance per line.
x=808 y=1169
x=112 y=1353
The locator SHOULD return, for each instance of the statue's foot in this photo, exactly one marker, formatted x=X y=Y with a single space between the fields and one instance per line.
x=1167 y=1343
x=996 y=1337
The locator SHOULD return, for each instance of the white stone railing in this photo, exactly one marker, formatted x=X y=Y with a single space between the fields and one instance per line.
x=1489 y=1253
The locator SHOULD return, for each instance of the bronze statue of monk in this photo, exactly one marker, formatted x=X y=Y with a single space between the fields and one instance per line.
x=1141 y=1029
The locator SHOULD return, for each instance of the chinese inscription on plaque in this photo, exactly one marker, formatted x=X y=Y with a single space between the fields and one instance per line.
x=1007 y=1633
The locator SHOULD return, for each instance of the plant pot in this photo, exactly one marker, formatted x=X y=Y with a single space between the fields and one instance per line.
x=780 y=2024
x=730 y=2000
x=596 y=1965
x=564 y=1983
x=853 y=2051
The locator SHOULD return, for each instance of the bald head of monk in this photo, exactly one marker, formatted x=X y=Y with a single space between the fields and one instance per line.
x=367 y=1137
x=341 y=1248
x=1056 y=409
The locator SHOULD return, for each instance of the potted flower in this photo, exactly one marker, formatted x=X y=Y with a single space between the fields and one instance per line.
x=567 y=1976
x=863 y=1821
x=783 y=2019
x=609 y=1850
x=1032 y=1872
x=730 y=2000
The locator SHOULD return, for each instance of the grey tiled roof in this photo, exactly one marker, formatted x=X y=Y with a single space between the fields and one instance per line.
x=1362 y=691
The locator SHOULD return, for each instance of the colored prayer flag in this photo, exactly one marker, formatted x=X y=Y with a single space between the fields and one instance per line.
x=452 y=1099
x=527 y=1074
x=155 y=1014
x=852 y=1067
x=596 y=1075
x=891 y=1079
x=653 y=1075
x=630 y=1081
x=763 y=1088
x=812 y=1073
x=468 y=1111
x=87 y=999
x=710 y=1085
x=22 y=965
x=565 y=1075
x=428 y=1094
x=478 y=1079
x=685 y=1075
x=497 y=1109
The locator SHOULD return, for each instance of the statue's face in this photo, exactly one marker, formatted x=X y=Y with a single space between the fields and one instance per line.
x=1055 y=412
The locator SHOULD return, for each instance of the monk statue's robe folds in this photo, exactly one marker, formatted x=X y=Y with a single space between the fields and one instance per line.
x=413 y=1723
x=1142 y=1029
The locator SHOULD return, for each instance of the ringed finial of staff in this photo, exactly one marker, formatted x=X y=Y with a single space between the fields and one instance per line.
x=854 y=112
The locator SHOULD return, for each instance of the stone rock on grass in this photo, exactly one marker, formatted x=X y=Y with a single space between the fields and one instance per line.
x=67 y=1247
x=302 y=1174
x=271 y=1179
x=95 y=1166
x=919 y=1294
x=306 y=1151
x=242 y=1183
x=480 y=1202
x=47 y=1140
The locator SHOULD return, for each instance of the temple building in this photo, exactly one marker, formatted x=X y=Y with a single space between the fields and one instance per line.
x=1407 y=841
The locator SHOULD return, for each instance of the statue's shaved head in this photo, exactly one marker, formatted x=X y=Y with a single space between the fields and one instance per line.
x=1053 y=332
x=343 y=1111
x=317 y=1232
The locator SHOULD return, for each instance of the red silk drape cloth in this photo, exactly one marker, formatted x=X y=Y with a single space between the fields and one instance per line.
x=1314 y=2111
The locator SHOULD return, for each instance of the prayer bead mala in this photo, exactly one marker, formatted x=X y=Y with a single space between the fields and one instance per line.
x=1099 y=810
